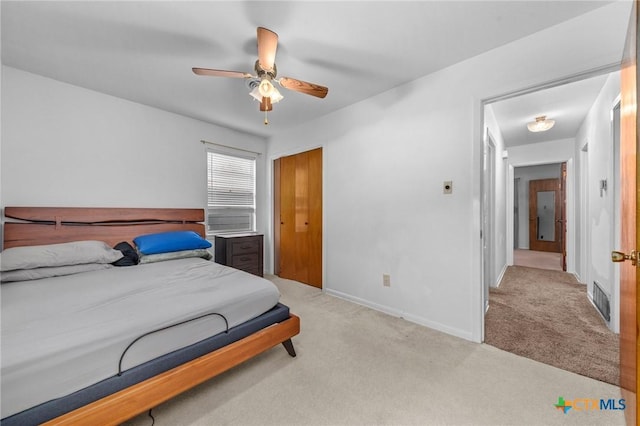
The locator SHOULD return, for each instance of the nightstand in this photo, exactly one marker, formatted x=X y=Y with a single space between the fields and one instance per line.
x=240 y=251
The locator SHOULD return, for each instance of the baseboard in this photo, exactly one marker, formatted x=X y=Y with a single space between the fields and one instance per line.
x=577 y=277
x=499 y=280
x=400 y=314
x=439 y=327
x=381 y=308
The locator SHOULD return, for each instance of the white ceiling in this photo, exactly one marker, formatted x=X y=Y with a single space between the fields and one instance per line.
x=144 y=51
x=567 y=104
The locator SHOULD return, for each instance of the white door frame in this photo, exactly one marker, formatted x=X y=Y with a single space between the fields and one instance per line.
x=488 y=215
x=616 y=208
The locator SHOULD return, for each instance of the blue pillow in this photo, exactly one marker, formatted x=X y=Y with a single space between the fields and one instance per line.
x=166 y=242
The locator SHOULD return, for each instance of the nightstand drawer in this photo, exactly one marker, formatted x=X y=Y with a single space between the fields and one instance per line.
x=245 y=246
x=242 y=261
x=255 y=271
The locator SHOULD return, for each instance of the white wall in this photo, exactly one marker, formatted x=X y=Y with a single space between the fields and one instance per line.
x=385 y=212
x=526 y=174
x=601 y=215
x=63 y=145
x=384 y=163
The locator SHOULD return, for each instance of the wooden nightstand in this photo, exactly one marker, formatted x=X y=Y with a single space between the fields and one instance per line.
x=240 y=251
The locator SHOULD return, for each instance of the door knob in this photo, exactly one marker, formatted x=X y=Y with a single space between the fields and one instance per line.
x=618 y=256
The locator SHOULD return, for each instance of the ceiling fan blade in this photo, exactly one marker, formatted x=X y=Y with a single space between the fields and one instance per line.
x=267 y=46
x=304 y=87
x=221 y=73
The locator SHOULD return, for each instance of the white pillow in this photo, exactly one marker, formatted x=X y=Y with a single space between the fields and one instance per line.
x=73 y=253
x=50 y=271
x=182 y=254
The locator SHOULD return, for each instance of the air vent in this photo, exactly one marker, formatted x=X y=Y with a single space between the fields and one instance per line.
x=601 y=300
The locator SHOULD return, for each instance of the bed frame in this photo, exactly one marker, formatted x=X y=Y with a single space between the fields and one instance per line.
x=50 y=225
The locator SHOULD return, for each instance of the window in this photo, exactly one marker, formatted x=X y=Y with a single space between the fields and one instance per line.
x=231 y=204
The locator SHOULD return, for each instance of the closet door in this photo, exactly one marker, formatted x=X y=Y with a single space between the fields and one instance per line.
x=315 y=217
x=287 y=250
x=298 y=198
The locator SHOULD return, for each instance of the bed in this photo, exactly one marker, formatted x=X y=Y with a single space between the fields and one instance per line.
x=187 y=319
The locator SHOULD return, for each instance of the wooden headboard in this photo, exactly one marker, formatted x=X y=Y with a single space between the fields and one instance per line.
x=51 y=225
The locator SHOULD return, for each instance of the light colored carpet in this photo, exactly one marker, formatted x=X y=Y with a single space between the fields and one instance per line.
x=538 y=259
x=356 y=366
x=546 y=316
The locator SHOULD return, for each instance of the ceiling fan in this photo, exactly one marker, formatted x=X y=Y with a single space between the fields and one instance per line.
x=261 y=84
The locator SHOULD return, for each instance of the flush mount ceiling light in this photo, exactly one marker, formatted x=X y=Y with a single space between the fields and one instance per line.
x=542 y=124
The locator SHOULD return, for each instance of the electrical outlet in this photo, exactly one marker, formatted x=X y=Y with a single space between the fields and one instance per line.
x=386 y=280
x=447 y=187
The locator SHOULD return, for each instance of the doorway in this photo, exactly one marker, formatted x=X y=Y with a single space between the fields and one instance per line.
x=539 y=231
x=536 y=151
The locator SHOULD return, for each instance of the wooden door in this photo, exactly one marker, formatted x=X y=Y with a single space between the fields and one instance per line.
x=315 y=218
x=285 y=247
x=298 y=217
x=545 y=215
x=630 y=240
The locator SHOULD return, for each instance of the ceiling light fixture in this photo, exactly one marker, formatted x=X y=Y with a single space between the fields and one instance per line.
x=271 y=92
x=266 y=88
x=542 y=124
x=265 y=93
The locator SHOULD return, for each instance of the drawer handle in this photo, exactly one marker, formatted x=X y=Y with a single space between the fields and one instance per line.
x=244 y=259
x=246 y=246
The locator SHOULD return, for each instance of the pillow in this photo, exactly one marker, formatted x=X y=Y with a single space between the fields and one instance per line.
x=130 y=255
x=51 y=271
x=165 y=242
x=182 y=254
x=73 y=253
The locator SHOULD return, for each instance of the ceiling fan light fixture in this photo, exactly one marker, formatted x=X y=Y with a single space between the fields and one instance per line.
x=542 y=124
x=255 y=93
x=275 y=97
x=266 y=88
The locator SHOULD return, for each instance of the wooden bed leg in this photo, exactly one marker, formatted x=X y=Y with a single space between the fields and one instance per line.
x=288 y=345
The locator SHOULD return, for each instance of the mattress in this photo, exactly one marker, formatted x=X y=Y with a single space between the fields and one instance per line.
x=63 y=334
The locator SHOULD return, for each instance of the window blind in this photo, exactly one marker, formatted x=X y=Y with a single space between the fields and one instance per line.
x=230 y=193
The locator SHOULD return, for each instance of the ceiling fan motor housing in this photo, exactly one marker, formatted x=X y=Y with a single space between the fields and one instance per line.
x=262 y=73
